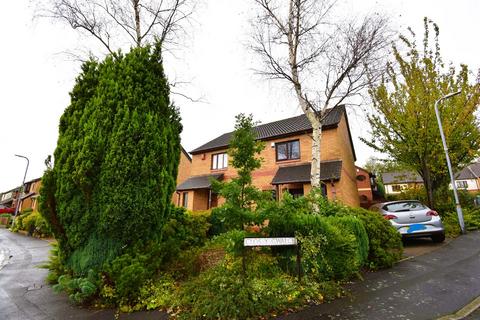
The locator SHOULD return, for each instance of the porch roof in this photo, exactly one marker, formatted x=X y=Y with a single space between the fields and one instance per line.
x=329 y=170
x=199 y=182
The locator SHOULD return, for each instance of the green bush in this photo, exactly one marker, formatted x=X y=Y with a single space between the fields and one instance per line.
x=471 y=219
x=158 y=294
x=19 y=221
x=227 y=218
x=340 y=255
x=231 y=241
x=34 y=223
x=54 y=265
x=127 y=273
x=355 y=226
x=80 y=290
x=183 y=230
x=116 y=159
x=224 y=293
x=93 y=255
x=290 y=215
x=385 y=243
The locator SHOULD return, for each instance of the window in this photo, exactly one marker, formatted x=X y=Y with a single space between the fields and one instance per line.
x=289 y=150
x=462 y=184
x=324 y=190
x=219 y=161
x=296 y=193
x=404 y=206
x=396 y=188
x=185 y=199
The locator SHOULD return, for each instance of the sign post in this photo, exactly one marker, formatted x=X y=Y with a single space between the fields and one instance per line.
x=273 y=242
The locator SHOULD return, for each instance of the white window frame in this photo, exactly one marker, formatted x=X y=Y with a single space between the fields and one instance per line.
x=219 y=161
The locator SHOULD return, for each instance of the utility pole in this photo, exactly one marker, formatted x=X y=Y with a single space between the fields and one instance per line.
x=17 y=205
x=449 y=165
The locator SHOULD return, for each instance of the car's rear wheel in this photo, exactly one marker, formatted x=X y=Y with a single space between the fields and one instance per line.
x=437 y=238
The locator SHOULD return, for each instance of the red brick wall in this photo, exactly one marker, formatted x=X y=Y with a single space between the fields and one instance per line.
x=364 y=187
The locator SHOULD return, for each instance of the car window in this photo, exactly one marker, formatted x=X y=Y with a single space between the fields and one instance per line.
x=404 y=206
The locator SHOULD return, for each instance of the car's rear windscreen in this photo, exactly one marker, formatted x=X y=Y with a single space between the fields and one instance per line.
x=404 y=206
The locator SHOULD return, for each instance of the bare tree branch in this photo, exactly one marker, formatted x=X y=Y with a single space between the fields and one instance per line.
x=113 y=22
x=298 y=43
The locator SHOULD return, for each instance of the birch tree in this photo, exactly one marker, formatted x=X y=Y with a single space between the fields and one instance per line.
x=326 y=63
x=116 y=23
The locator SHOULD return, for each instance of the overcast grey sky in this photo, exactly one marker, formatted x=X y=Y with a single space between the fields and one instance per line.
x=36 y=75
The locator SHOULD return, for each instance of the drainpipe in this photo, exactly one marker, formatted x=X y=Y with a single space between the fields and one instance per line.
x=209 y=199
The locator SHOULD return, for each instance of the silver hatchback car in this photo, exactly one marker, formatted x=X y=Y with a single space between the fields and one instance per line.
x=412 y=219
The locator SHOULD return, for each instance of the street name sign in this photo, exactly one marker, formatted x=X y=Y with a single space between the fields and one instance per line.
x=269 y=242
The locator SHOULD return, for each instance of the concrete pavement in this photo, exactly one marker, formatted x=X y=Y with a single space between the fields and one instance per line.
x=425 y=287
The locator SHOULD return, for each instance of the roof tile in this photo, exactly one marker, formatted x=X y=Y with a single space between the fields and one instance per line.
x=199 y=182
x=277 y=128
x=301 y=173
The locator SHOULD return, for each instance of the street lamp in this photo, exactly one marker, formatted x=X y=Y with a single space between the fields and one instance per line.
x=17 y=205
x=449 y=165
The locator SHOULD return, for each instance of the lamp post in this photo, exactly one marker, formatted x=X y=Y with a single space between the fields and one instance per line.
x=17 y=205
x=449 y=165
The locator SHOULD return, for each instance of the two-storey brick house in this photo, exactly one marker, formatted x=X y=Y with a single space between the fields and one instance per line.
x=30 y=195
x=286 y=162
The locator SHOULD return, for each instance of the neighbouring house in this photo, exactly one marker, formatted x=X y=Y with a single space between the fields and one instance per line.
x=286 y=162
x=398 y=181
x=184 y=172
x=366 y=186
x=469 y=178
x=29 y=200
x=9 y=198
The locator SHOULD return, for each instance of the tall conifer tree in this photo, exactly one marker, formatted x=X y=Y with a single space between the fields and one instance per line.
x=116 y=159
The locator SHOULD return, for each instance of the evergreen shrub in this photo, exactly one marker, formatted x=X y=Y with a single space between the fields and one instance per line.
x=471 y=219
x=116 y=161
x=337 y=252
x=223 y=292
x=385 y=242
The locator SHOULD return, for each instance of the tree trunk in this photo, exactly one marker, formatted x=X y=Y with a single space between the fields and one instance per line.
x=427 y=181
x=136 y=9
x=316 y=152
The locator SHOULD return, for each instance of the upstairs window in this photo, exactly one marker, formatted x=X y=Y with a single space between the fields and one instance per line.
x=289 y=150
x=219 y=161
